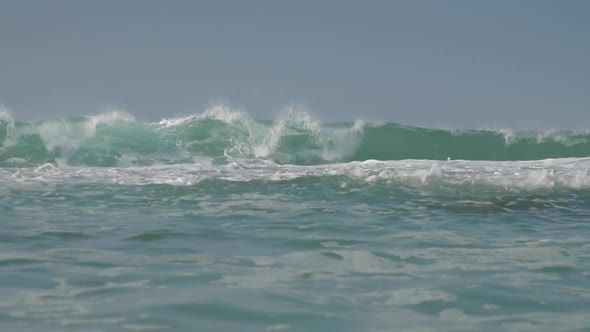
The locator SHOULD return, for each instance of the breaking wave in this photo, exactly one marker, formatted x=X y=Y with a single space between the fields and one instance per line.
x=116 y=139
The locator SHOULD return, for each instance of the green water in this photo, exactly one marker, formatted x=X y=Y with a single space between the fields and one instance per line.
x=220 y=223
x=116 y=139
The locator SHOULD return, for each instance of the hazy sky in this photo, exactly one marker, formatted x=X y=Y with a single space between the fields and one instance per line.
x=431 y=63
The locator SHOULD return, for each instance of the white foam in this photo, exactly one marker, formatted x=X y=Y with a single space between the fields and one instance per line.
x=293 y=118
x=332 y=143
x=46 y=168
x=6 y=116
x=67 y=135
x=508 y=134
x=8 y=121
x=219 y=112
x=57 y=134
x=414 y=296
x=145 y=327
x=542 y=136
x=341 y=143
x=550 y=174
x=109 y=118
x=359 y=126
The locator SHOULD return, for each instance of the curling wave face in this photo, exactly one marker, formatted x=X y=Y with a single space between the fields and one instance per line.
x=116 y=139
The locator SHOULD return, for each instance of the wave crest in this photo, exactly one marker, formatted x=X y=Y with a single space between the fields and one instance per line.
x=222 y=134
x=219 y=112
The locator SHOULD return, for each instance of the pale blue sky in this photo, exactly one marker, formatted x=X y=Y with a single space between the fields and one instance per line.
x=431 y=63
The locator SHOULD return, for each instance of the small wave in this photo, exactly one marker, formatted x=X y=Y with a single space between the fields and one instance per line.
x=565 y=137
x=395 y=142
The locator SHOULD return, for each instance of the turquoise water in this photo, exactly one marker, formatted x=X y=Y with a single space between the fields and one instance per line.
x=220 y=222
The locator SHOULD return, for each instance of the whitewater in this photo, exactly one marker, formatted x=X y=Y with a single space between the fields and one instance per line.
x=218 y=221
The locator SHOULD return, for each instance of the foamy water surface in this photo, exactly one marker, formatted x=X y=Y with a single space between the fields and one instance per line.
x=218 y=222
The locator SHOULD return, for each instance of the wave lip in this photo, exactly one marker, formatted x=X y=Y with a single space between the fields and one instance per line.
x=216 y=112
x=224 y=135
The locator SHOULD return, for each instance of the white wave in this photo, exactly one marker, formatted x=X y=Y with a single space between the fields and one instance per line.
x=8 y=121
x=5 y=115
x=333 y=143
x=69 y=135
x=342 y=142
x=219 y=112
x=359 y=126
x=57 y=134
x=550 y=174
x=108 y=118
x=565 y=137
x=293 y=118
x=263 y=140
x=509 y=135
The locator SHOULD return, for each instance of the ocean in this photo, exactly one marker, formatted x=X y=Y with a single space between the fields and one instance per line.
x=219 y=222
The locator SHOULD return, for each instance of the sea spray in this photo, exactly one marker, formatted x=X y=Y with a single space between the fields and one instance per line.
x=7 y=130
